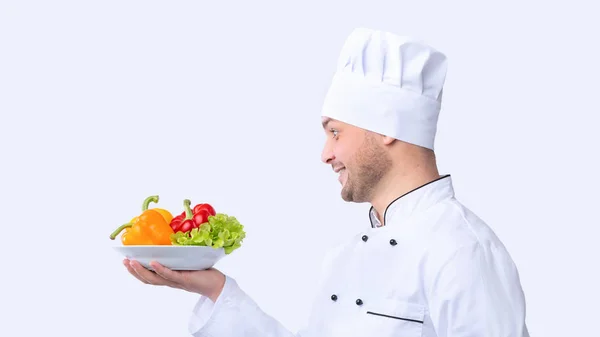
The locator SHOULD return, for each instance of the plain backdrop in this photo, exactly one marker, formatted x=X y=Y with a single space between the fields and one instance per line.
x=104 y=103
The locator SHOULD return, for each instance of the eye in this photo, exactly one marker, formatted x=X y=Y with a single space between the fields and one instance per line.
x=334 y=132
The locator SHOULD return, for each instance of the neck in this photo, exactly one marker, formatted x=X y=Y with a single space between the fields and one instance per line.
x=397 y=184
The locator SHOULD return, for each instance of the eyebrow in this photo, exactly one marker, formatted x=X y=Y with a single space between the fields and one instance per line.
x=325 y=122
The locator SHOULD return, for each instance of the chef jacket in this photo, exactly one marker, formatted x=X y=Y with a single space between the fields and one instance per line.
x=434 y=269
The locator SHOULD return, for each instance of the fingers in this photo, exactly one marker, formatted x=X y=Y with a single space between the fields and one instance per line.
x=127 y=264
x=148 y=277
x=168 y=274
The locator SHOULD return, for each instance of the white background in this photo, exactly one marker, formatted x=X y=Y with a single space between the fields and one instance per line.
x=106 y=102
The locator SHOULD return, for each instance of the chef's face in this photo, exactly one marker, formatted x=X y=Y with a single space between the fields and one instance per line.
x=357 y=156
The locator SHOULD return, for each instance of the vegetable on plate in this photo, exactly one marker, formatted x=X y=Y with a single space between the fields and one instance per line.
x=191 y=219
x=197 y=226
x=151 y=227
x=220 y=231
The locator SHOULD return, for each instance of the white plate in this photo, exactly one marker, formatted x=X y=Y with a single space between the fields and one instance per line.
x=173 y=257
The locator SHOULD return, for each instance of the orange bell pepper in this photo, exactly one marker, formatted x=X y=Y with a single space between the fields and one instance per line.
x=149 y=228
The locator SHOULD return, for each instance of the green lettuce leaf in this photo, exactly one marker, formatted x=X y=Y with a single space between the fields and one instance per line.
x=221 y=231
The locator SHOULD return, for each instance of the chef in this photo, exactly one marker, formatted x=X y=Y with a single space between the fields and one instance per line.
x=424 y=265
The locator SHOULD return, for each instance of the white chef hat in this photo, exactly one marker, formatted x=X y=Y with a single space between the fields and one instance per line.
x=388 y=84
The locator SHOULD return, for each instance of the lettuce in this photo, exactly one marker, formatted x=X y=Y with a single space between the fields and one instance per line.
x=221 y=231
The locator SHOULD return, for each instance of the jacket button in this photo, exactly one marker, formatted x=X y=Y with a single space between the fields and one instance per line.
x=393 y=242
x=334 y=297
x=359 y=302
x=365 y=238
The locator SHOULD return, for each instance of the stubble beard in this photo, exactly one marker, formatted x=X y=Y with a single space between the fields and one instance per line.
x=365 y=172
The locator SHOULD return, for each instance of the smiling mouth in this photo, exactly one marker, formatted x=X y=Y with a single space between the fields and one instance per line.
x=340 y=172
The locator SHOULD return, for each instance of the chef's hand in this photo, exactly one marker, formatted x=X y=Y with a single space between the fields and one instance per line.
x=208 y=282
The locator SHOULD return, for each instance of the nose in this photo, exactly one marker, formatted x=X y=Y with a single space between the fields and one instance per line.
x=327 y=154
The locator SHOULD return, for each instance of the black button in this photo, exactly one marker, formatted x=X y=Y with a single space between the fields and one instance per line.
x=359 y=302
x=393 y=242
x=365 y=238
x=334 y=297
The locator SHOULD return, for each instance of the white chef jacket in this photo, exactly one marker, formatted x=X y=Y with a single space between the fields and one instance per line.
x=434 y=269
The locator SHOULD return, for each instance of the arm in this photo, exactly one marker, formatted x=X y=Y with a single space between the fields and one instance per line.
x=233 y=314
x=477 y=293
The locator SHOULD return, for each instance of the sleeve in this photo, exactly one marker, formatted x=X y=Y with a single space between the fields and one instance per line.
x=233 y=314
x=477 y=293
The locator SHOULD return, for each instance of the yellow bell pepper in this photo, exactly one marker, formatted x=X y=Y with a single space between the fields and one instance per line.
x=149 y=228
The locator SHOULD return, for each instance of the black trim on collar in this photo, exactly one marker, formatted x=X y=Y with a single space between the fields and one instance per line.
x=393 y=201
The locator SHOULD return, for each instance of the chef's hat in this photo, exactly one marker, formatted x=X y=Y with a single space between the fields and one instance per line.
x=388 y=84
